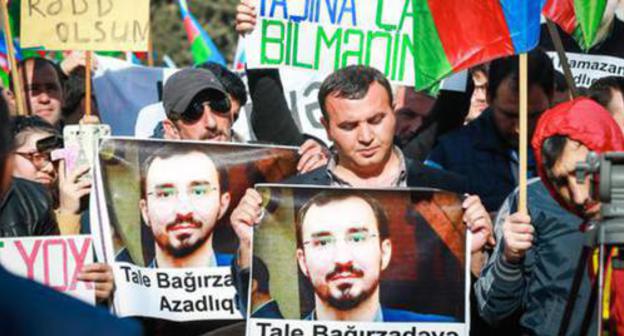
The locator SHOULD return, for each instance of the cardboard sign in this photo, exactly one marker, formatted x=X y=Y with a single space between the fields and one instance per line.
x=587 y=68
x=53 y=261
x=324 y=36
x=166 y=230
x=341 y=261
x=85 y=24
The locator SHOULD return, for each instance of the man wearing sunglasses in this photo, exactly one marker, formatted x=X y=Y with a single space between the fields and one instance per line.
x=197 y=107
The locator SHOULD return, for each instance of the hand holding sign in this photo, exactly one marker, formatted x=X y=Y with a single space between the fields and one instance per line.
x=101 y=275
x=73 y=188
x=478 y=221
x=243 y=218
x=245 y=17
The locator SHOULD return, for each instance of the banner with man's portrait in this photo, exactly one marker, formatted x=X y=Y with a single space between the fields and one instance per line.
x=343 y=261
x=163 y=210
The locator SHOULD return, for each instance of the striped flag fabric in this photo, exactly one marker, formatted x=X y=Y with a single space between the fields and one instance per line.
x=5 y=68
x=454 y=35
x=579 y=18
x=202 y=46
x=240 y=58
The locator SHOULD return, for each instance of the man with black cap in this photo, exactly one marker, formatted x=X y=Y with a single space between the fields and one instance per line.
x=198 y=107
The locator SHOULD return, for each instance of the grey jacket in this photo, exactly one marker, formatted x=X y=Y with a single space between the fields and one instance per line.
x=538 y=288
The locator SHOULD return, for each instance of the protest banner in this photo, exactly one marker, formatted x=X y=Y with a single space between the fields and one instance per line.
x=163 y=219
x=97 y=25
x=367 y=261
x=324 y=36
x=588 y=68
x=53 y=261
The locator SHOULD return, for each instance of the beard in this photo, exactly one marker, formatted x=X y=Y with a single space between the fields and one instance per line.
x=185 y=246
x=210 y=135
x=185 y=249
x=345 y=299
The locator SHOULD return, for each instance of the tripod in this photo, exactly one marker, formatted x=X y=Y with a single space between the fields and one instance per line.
x=605 y=235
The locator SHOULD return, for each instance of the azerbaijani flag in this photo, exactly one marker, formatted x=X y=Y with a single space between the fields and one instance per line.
x=579 y=18
x=5 y=66
x=240 y=58
x=202 y=46
x=453 y=35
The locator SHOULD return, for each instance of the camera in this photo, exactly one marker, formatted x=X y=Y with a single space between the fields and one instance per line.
x=606 y=175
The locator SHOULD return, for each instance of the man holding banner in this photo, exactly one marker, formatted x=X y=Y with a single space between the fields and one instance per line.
x=343 y=246
x=358 y=117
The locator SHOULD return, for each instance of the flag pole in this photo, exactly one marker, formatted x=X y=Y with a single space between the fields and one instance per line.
x=563 y=58
x=18 y=89
x=150 y=49
x=522 y=175
x=88 y=84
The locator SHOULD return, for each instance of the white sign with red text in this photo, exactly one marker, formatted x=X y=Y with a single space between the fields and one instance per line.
x=54 y=261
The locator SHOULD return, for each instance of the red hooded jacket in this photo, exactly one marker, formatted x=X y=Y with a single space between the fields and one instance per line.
x=591 y=124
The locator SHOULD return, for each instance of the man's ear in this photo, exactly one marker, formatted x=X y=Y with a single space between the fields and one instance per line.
x=224 y=201
x=386 y=253
x=143 y=207
x=171 y=131
x=301 y=260
x=325 y=124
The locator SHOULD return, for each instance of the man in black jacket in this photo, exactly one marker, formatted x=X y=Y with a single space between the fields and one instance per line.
x=358 y=117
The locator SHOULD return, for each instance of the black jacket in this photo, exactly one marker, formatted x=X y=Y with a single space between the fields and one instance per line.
x=27 y=210
x=479 y=154
x=418 y=175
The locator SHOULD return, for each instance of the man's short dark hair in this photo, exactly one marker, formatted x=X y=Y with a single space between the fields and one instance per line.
x=541 y=72
x=552 y=150
x=351 y=83
x=232 y=83
x=327 y=197
x=260 y=273
x=167 y=152
x=39 y=62
x=600 y=90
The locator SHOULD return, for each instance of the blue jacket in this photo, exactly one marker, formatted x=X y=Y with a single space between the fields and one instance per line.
x=400 y=315
x=269 y=310
x=28 y=308
x=478 y=153
x=538 y=288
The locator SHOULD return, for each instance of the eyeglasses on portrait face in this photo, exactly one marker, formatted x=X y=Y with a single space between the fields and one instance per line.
x=167 y=194
x=326 y=242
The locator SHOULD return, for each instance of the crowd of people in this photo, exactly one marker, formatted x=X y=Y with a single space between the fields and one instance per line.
x=524 y=264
